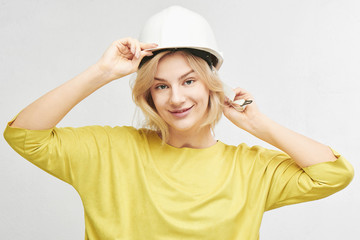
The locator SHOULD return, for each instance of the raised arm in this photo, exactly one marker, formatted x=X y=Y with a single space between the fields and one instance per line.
x=120 y=59
x=303 y=150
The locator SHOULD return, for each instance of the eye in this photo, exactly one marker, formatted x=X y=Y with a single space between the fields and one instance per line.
x=161 y=86
x=189 y=82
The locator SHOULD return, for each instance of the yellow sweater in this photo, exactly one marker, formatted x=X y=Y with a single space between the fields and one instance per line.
x=132 y=187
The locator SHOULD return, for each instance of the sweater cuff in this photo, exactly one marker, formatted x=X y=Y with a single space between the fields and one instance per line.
x=335 y=172
x=18 y=137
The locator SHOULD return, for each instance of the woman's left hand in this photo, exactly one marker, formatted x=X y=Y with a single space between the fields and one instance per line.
x=247 y=118
x=303 y=150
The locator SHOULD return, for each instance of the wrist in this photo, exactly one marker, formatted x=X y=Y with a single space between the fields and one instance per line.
x=260 y=126
x=102 y=73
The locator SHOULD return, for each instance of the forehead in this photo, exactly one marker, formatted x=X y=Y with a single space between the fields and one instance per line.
x=172 y=65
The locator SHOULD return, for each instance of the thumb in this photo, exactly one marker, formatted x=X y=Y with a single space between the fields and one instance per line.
x=143 y=54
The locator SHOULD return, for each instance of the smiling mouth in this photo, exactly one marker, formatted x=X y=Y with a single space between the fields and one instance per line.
x=181 y=110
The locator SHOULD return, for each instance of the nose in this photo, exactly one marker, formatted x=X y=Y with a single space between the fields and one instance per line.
x=177 y=97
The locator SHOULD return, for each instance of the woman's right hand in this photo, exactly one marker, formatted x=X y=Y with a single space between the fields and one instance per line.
x=123 y=57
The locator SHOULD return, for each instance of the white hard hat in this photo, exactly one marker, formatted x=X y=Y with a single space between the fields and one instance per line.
x=177 y=28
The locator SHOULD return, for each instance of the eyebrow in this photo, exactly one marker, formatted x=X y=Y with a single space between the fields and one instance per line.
x=181 y=77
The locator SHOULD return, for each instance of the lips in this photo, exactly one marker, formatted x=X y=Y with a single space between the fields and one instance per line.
x=181 y=112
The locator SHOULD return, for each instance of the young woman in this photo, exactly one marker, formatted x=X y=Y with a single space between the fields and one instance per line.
x=172 y=180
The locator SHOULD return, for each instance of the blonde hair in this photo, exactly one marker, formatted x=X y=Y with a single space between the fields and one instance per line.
x=145 y=79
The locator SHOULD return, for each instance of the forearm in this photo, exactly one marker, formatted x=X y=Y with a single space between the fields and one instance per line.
x=120 y=59
x=49 y=109
x=303 y=150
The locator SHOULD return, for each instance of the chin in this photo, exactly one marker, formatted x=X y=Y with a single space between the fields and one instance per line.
x=190 y=123
x=184 y=127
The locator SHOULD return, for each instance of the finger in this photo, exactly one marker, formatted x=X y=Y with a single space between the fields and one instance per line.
x=125 y=45
x=242 y=94
x=133 y=46
x=147 y=53
x=148 y=45
x=138 y=49
x=239 y=108
x=239 y=91
x=144 y=54
x=129 y=43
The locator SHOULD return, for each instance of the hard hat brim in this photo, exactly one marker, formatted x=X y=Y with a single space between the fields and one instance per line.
x=215 y=54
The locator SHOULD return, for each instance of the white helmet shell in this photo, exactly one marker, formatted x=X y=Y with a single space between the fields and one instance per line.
x=177 y=27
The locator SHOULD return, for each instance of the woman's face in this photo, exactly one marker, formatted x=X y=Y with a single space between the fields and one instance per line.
x=180 y=96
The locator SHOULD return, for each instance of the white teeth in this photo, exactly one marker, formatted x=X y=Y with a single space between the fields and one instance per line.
x=180 y=111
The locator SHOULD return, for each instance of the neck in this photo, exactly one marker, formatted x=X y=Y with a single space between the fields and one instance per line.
x=201 y=138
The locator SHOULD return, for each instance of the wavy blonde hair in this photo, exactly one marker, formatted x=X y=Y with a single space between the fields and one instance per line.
x=145 y=78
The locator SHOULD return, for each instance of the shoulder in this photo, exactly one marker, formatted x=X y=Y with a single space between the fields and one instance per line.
x=255 y=154
x=129 y=131
x=243 y=148
x=99 y=133
x=128 y=135
x=259 y=151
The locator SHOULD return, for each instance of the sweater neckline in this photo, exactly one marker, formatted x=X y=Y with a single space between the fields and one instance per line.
x=170 y=147
x=155 y=144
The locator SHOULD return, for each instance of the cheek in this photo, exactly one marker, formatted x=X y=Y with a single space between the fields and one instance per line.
x=204 y=95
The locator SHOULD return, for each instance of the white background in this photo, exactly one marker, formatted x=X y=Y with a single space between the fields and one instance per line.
x=299 y=58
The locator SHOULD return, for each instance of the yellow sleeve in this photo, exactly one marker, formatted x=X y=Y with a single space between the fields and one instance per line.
x=290 y=184
x=66 y=153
